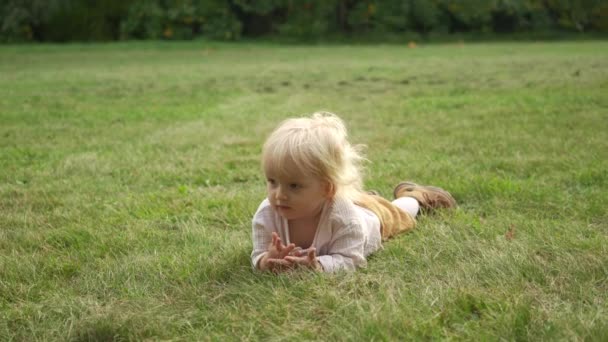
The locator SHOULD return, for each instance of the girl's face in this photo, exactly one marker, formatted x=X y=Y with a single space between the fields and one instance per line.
x=296 y=196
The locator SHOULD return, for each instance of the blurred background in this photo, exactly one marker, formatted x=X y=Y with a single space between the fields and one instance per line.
x=307 y=20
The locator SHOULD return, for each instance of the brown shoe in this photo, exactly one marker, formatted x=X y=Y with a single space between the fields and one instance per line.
x=429 y=197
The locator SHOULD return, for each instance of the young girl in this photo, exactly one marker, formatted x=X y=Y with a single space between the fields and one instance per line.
x=316 y=214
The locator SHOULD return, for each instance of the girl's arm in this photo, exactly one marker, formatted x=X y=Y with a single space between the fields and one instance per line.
x=261 y=233
x=261 y=239
x=268 y=249
x=346 y=251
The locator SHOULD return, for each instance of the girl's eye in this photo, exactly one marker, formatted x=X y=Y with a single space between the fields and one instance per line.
x=294 y=186
x=271 y=181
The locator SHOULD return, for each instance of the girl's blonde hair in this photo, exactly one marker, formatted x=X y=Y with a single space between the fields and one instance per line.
x=317 y=146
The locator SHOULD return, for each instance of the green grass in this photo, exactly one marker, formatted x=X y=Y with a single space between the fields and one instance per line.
x=129 y=174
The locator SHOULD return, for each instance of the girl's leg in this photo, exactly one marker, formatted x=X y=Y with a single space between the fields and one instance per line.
x=393 y=219
x=408 y=204
x=429 y=197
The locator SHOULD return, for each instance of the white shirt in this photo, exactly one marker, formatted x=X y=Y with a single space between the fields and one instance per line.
x=345 y=236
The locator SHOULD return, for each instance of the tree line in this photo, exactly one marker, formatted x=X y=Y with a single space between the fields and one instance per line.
x=104 y=20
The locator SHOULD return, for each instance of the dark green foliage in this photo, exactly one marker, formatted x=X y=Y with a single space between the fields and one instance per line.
x=579 y=15
x=509 y=16
x=425 y=15
x=85 y=20
x=180 y=20
x=389 y=16
x=67 y=20
x=22 y=18
x=144 y=20
x=468 y=15
x=308 y=19
x=62 y=20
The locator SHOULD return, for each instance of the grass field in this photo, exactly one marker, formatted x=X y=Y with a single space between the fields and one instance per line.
x=129 y=174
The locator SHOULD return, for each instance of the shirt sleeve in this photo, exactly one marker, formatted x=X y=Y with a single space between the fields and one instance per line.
x=346 y=250
x=262 y=229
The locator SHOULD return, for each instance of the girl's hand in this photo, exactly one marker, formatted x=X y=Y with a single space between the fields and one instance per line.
x=274 y=260
x=308 y=260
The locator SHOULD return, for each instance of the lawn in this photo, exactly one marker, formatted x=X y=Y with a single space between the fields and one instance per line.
x=129 y=173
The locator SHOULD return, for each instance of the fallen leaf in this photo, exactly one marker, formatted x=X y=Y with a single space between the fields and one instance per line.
x=510 y=234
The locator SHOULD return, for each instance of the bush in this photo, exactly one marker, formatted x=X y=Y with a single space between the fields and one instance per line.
x=468 y=15
x=22 y=19
x=426 y=16
x=578 y=15
x=522 y=15
x=180 y=20
x=67 y=20
x=62 y=20
x=599 y=17
x=362 y=17
x=308 y=19
x=144 y=21
x=217 y=20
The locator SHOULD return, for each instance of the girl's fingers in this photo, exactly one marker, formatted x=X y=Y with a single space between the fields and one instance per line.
x=286 y=250
x=296 y=252
x=274 y=239
x=299 y=253
x=312 y=260
x=278 y=245
x=312 y=254
x=309 y=259
x=297 y=260
x=292 y=259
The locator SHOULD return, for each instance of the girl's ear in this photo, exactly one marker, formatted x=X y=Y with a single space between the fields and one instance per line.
x=330 y=190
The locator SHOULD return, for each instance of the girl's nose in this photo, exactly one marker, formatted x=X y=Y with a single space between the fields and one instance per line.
x=280 y=193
